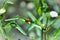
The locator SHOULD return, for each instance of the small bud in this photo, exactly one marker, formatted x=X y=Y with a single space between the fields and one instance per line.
x=48 y=15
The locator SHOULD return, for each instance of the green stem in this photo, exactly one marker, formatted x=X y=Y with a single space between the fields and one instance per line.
x=44 y=31
x=46 y=23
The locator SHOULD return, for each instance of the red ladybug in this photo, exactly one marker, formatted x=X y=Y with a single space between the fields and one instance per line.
x=27 y=20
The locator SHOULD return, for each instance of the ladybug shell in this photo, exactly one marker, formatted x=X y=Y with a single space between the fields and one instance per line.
x=27 y=20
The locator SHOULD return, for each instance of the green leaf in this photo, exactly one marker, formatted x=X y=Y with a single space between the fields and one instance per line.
x=56 y=33
x=52 y=23
x=27 y=25
x=18 y=27
x=12 y=19
x=35 y=20
x=44 y=18
x=11 y=1
x=8 y=1
x=39 y=24
x=57 y=24
x=3 y=32
x=34 y=26
x=31 y=27
x=0 y=17
x=38 y=32
x=13 y=24
x=1 y=29
x=31 y=16
x=51 y=38
x=45 y=6
x=39 y=11
x=21 y=30
x=20 y=19
x=8 y=27
x=40 y=18
x=37 y=6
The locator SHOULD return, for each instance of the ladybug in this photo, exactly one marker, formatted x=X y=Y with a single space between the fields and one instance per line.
x=27 y=20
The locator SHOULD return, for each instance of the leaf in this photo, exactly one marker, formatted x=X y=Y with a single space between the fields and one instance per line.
x=0 y=17
x=10 y=2
x=51 y=38
x=38 y=32
x=8 y=27
x=56 y=33
x=34 y=26
x=57 y=24
x=27 y=25
x=12 y=19
x=3 y=32
x=13 y=24
x=52 y=23
x=39 y=11
x=1 y=29
x=45 y=6
x=40 y=18
x=31 y=27
x=20 y=19
x=31 y=16
x=35 y=20
x=37 y=6
x=39 y=24
x=44 y=18
x=21 y=30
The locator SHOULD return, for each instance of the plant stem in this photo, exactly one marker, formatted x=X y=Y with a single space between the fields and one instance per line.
x=43 y=35
x=44 y=32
